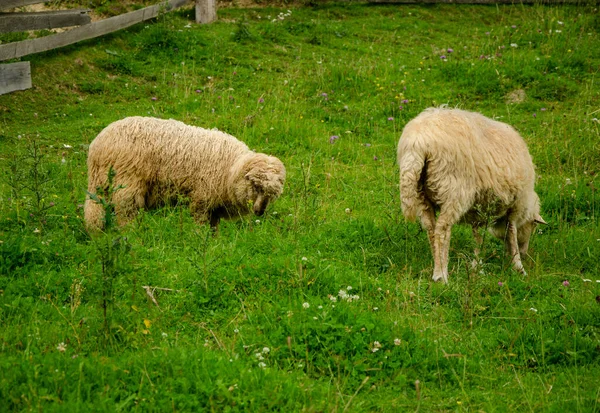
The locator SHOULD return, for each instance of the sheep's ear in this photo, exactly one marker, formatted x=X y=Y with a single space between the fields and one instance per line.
x=255 y=176
x=539 y=220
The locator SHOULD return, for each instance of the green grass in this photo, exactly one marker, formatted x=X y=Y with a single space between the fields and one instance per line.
x=489 y=341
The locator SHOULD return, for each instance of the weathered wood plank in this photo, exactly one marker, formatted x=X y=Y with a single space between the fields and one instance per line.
x=15 y=76
x=206 y=11
x=20 y=22
x=11 y=4
x=89 y=31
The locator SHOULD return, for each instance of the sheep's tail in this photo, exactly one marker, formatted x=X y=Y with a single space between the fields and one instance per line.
x=411 y=164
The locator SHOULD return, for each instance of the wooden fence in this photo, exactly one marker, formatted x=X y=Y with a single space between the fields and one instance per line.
x=17 y=76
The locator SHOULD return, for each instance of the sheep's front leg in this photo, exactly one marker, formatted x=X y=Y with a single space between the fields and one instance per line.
x=513 y=247
x=200 y=212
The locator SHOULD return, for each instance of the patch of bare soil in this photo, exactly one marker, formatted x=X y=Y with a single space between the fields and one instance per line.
x=516 y=96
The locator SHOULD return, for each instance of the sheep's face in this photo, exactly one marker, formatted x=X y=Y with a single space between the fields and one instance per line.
x=262 y=183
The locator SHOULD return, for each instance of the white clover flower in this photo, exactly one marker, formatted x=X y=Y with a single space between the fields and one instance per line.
x=62 y=347
x=236 y=331
x=349 y=287
x=262 y=365
x=165 y=334
x=259 y=356
x=514 y=45
x=304 y=259
x=266 y=350
x=397 y=341
x=343 y=294
x=348 y=210
x=332 y=298
x=305 y=305
x=533 y=309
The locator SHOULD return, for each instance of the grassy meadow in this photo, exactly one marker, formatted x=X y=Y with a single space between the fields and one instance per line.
x=325 y=303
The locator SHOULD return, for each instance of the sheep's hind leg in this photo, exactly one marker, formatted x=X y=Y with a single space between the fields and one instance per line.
x=127 y=201
x=428 y=223
x=443 y=231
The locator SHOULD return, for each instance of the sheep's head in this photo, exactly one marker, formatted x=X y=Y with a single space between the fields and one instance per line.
x=261 y=182
x=524 y=228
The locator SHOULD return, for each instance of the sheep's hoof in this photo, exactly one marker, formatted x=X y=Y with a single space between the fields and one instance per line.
x=440 y=278
x=519 y=268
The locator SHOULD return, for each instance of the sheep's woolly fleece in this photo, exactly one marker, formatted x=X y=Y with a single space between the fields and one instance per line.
x=471 y=168
x=164 y=161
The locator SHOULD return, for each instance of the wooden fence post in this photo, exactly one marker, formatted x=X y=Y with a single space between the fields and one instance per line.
x=15 y=76
x=206 y=11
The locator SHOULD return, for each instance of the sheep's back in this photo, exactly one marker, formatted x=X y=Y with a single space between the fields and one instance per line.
x=156 y=150
x=467 y=152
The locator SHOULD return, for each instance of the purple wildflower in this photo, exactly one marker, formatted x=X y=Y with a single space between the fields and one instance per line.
x=450 y=50
x=198 y=91
x=543 y=109
x=488 y=33
x=390 y=118
x=500 y=283
x=154 y=98
x=261 y=100
x=513 y=26
x=443 y=57
x=404 y=100
x=565 y=283
x=400 y=107
x=333 y=138
x=368 y=145
x=375 y=158
x=535 y=115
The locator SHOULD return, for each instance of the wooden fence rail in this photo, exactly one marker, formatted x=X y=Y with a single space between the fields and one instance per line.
x=89 y=31
x=17 y=76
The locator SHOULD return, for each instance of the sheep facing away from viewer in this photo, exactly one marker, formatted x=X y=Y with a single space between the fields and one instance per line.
x=160 y=161
x=472 y=169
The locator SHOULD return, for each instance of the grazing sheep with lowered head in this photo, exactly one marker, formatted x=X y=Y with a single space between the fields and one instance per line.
x=470 y=168
x=159 y=161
